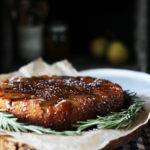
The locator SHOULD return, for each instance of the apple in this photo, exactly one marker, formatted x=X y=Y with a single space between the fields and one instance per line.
x=117 y=53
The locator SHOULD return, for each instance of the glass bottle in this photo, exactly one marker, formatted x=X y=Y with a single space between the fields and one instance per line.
x=57 y=42
x=30 y=24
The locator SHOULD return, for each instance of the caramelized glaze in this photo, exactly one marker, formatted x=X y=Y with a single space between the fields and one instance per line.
x=59 y=101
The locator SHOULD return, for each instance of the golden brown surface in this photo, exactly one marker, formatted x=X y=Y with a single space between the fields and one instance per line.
x=58 y=102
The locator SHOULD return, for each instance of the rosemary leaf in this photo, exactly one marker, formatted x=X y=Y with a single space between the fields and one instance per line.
x=10 y=123
x=115 y=120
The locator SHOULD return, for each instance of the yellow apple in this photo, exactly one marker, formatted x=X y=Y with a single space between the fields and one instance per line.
x=99 y=46
x=117 y=53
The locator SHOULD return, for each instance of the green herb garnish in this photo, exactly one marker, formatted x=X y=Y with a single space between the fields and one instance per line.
x=10 y=123
x=115 y=120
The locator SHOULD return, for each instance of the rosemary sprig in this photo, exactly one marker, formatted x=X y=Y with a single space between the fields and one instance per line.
x=114 y=120
x=10 y=123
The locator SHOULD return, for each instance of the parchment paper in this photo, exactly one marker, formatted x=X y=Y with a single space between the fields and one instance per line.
x=90 y=140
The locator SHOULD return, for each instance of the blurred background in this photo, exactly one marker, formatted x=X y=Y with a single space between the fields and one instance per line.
x=95 y=34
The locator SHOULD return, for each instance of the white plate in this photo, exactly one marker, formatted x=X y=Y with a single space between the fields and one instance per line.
x=129 y=80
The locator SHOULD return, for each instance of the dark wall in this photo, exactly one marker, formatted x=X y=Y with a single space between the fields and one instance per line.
x=113 y=19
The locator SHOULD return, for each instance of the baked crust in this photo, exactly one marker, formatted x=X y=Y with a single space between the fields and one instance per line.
x=59 y=102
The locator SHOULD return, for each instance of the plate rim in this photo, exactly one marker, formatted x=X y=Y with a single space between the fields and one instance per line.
x=116 y=70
